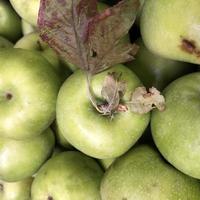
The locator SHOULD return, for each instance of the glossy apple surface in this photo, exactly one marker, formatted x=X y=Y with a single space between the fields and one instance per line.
x=91 y=132
x=20 y=190
x=20 y=159
x=142 y=174
x=10 y=23
x=176 y=130
x=171 y=29
x=70 y=176
x=28 y=92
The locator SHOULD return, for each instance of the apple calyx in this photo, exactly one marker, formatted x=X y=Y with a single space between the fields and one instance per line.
x=88 y=39
x=143 y=101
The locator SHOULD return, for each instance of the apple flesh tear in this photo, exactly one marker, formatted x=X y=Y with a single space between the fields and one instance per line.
x=171 y=29
x=69 y=175
x=156 y=71
x=32 y=41
x=176 y=130
x=91 y=132
x=142 y=174
x=20 y=190
x=20 y=159
x=28 y=92
x=4 y=43
x=10 y=23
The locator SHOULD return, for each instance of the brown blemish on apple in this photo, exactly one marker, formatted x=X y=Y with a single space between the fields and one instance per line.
x=9 y=96
x=50 y=198
x=190 y=47
x=1 y=187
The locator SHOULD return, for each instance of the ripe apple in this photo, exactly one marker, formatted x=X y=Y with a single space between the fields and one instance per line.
x=89 y=131
x=10 y=23
x=28 y=92
x=20 y=190
x=32 y=41
x=4 y=43
x=171 y=29
x=69 y=175
x=176 y=130
x=142 y=174
x=26 y=27
x=154 y=70
x=20 y=159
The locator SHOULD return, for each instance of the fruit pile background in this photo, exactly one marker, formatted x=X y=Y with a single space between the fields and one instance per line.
x=54 y=145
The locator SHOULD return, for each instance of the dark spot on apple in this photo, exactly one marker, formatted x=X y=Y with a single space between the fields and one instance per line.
x=50 y=198
x=9 y=96
x=1 y=187
x=124 y=198
x=190 y=47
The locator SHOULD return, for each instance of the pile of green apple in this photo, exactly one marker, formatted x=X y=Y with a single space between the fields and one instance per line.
x=55 y=146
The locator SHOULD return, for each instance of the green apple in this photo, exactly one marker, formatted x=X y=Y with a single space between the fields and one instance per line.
x=170 y=28
x=32 y=41
x=89 y=131
x=142 y=174
x=28 y=92
x=10 y=23
x=154 y=70
x=20 y=190
x=4 y=43
x=68 y=176
x=26 y=27
x=20 y=159
x=176 y=130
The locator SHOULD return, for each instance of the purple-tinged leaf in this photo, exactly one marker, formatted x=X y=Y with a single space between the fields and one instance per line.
x=105 y=31
x=63 y=24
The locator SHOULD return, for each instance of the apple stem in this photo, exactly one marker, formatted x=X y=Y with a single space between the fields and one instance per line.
x=91 y=93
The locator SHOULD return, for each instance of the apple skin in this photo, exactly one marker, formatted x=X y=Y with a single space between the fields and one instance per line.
x=10 y=23
x=28 y=93
x=20 y=190
x=176 y=130
x=165 y=25
x=156 y=71
x=26 y=27
x=20 y=159
x=142 y=174
x=106 y=163
x=32 y=41
x=87 y=130
x=69 y=175
x=4 y=43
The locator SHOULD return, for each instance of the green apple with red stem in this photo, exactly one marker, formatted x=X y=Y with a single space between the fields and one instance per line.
x=10 y=23
x=20 y=190
x=28 y=92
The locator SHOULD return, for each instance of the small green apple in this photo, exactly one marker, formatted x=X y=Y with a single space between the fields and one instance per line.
x=26 y=27
x=176 y=130
x=32 y=41
x=20 y=159
x=4 y=43
x=20 y=190
x=68 y=176
x=154 y=70
x=142 y=174
x=171 y=29
x=89 y=131
x=10 y=24
x=28 y=92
